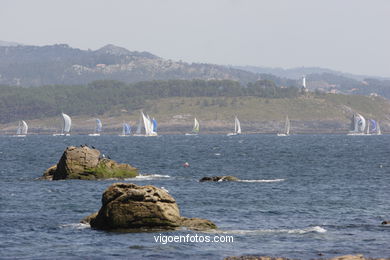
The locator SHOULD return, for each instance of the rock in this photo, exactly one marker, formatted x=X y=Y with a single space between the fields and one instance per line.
x=197 y=224
x=219 y=178
x=129 y=207
x=386 y=222
x=85 y=163
x=87 y=219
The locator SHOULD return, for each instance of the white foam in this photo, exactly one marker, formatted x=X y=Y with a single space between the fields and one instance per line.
x=76 y=225
x=164 y=189
x=315 y=229
x=149 y=177
x=272 y=180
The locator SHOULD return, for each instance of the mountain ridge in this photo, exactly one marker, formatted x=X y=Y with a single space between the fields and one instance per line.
x=60 y=64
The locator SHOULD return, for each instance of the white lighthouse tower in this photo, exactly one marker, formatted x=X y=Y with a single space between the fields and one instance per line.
x=304 y=89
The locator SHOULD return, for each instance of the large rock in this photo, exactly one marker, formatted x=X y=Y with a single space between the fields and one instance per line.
x=86 y=163
x=219 y=178
x=129 y=207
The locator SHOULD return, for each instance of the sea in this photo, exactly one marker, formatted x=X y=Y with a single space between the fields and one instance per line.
x=301 y=196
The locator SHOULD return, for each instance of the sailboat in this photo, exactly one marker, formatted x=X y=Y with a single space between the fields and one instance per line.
x=286 y=128
x=67 y=124
x=154 y=128
x=378 y=131
x=98 y=128
x=195 y=129
x=139 y=126
x=368 y=127
x=358 y=125
x=375 y=130
x=22 y=129
x=237 y=127
x=126 y=130
x=150 y=125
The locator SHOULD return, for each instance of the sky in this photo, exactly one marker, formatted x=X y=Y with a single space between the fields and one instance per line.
x=345 y=35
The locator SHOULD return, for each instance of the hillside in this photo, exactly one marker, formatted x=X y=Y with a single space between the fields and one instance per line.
x=327 y=80
x=23 y=65
x=297 y=73
x=261 y=107
x=62 y=65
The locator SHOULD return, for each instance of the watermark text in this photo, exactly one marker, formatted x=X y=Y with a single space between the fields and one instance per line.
x=163 y=239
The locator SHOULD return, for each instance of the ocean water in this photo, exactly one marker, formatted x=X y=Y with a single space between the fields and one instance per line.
x=301 y=196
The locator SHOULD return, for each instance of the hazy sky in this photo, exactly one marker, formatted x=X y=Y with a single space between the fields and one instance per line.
x=347 y=35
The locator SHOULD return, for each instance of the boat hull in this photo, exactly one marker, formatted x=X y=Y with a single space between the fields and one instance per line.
x=356 y=134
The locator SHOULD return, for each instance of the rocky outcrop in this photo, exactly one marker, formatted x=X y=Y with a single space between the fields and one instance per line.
x=129 y=207
x=86 y=163
x=219 y=178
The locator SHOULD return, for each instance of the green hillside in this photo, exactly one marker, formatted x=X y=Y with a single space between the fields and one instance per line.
x=261 y=107
x=321 y=114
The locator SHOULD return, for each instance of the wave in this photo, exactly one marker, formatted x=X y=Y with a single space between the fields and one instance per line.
x=76 y=226
x=272 y=180
x=149 y=177
x=315 y=229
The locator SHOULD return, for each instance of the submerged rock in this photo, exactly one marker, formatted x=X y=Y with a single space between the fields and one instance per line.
x=129 y=207
x=85 y=163
x=219 y=178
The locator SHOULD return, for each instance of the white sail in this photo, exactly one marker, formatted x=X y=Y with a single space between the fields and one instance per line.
x=196 y=126
x=148 y=125
x=304 y=82
x=99 y=125
x=67 y=123
x=24 y=128
x=19 y=129
x=362 y=123
x=378 y=131
x=286 y=130
x=138 y=132
x=287 y=126
x=123 y=129
x=195 y=129
x=237 y=126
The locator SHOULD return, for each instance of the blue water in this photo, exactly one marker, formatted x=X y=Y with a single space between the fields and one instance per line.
x=330 y=194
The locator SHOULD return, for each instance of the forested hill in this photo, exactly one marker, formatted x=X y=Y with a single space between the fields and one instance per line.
x=60 y=64
x=23 y=65
x=327 y=80
x=101 y=97
x=176 y=102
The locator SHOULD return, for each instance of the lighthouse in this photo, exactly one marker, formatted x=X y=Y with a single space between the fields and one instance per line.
x=304 y=89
